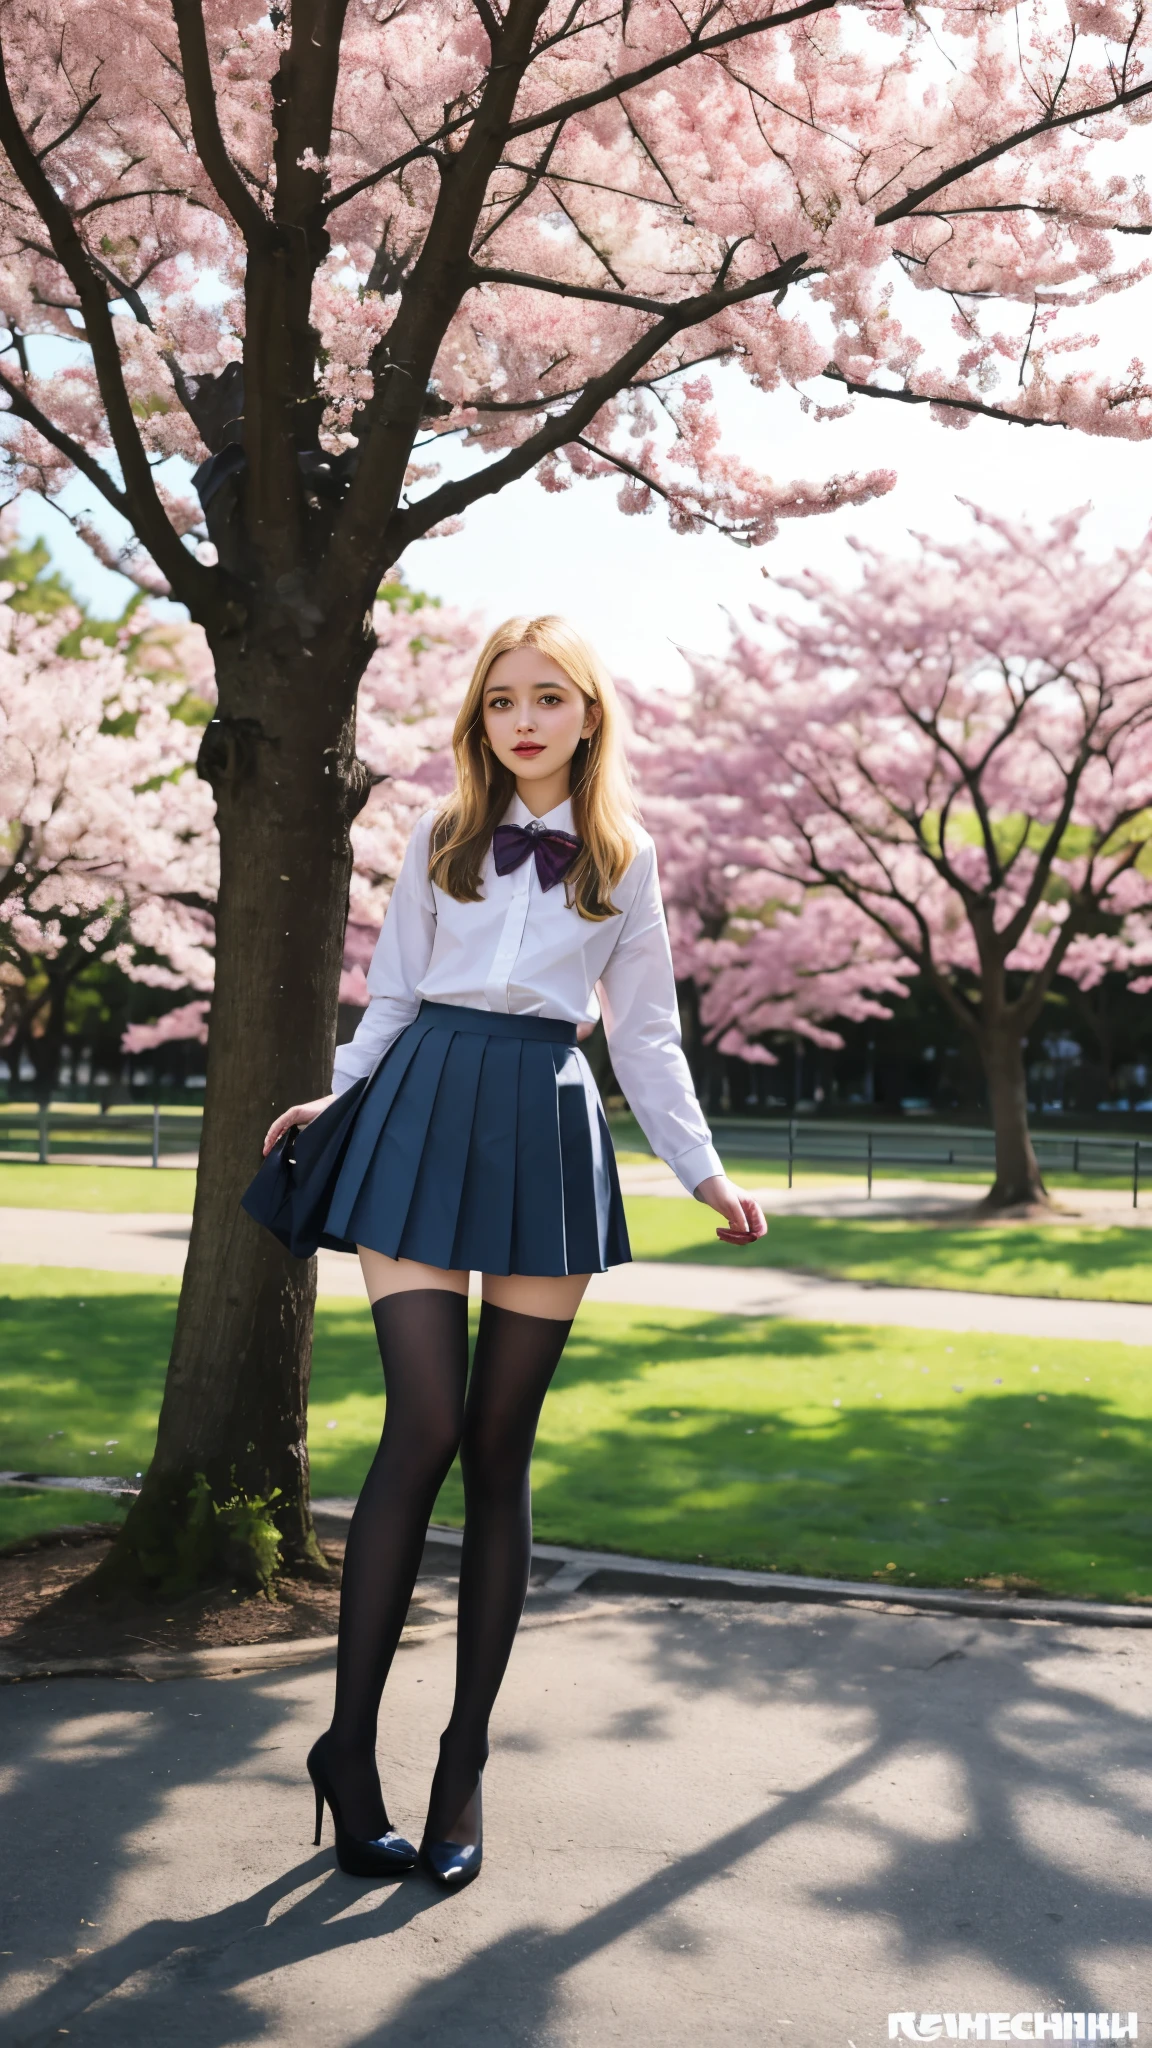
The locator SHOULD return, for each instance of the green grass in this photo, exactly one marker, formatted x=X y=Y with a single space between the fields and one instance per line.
x=1059 y=1261
x=122 y=1190
x=25 y=1513
x=688 y=1436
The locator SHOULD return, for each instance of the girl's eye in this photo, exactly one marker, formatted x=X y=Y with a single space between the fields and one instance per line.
x=552 y=697
x=498 y=703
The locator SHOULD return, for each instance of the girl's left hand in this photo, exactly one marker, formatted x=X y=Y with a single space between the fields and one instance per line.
x=743 y=1214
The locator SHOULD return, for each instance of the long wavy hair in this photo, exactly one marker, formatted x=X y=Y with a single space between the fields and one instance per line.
x=603 y=807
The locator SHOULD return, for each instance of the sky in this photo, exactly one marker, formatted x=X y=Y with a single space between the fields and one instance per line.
x=642 y=593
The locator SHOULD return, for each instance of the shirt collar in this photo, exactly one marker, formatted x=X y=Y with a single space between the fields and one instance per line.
x=558 y=820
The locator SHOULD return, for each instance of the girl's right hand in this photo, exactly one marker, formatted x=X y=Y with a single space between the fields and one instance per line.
x=303 y=1113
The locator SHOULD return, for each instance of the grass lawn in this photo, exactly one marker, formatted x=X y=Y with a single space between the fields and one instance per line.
x=123 y=1190
x=25 y=1513
x=1064 y=1261
x=856 y=1453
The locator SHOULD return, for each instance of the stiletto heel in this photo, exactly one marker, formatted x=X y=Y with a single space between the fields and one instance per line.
x=388 y=1855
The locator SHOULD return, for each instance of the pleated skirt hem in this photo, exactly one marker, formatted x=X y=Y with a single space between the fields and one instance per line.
x=479 y=1143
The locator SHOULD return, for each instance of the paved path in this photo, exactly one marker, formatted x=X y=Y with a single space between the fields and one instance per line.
x=157 y=1244
x=707 y=1825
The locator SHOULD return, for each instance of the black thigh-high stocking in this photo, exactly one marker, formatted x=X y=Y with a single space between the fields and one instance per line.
x=423 y=1337
x=515 y=1358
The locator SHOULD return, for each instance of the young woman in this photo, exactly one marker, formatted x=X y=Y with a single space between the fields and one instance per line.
x=465 y=1134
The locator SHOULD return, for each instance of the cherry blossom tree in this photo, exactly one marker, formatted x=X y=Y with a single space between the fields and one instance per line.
x=409 y=695
x=946 y=770
x=300 y=244
x=753 y=954
x=106 y=844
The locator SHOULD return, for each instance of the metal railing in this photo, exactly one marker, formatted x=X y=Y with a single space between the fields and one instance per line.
x=796 y=1142
x=40 y=1133
x=37 y=1132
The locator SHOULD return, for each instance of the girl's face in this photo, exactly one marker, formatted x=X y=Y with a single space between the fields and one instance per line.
x=535 y=717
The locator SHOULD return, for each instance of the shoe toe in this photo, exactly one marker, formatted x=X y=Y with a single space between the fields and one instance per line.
x=396 y=1849
x=452 y=1863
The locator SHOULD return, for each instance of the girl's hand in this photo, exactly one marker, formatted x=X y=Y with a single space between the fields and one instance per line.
x=743 y=1214
x=303 y=1113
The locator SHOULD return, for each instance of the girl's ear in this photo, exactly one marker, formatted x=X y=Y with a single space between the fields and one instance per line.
x=592 y=719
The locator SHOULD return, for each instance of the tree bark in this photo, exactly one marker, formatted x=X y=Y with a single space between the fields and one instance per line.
x=1019 y=1182
x=281 y=760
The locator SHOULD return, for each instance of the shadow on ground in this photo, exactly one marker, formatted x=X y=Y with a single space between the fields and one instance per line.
x=1018 y=1888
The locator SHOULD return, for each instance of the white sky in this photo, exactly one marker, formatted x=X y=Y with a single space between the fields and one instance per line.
x=640 y=591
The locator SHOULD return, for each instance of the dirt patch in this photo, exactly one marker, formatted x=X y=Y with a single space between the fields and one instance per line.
x=49 y=1608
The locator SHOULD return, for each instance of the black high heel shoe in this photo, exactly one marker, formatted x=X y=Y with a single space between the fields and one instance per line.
x=452 y=1865
x=389 y=1855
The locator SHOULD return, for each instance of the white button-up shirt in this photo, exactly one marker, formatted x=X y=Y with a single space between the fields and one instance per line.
x=523 y=952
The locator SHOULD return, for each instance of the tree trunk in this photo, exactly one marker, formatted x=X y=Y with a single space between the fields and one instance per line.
x=281 y=760
x=1018 y=1181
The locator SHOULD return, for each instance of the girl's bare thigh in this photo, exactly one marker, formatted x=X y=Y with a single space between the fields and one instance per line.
x=383 y=1275
x=556 y=1297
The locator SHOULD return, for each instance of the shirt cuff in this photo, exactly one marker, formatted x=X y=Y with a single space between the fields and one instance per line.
x=699 y=1164
x=340 y=1079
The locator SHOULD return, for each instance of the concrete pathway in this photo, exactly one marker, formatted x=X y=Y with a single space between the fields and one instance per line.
x=707 y=1824
x=157 y=1244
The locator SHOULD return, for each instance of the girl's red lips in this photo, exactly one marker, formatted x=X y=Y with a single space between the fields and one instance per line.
x=528 y=747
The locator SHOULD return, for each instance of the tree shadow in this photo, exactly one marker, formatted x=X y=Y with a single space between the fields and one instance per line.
x=1010 y=1715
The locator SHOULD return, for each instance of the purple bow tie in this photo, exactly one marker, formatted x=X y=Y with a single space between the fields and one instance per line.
x=555 y=851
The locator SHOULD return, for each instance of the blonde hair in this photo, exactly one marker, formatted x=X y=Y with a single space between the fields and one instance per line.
x=603 y=806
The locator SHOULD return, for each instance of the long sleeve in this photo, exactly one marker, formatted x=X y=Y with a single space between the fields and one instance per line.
x=398 y=963
x=642 y=1024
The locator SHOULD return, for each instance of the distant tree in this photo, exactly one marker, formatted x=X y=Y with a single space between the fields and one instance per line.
x=106 y=848
x=946 y=770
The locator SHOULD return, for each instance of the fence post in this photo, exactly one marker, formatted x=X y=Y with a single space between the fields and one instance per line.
x=1136 y=1174
x=155 y=1134
x=789 y=1154
x=43 y=1134
x=1075 y=1155
x=869 y=1166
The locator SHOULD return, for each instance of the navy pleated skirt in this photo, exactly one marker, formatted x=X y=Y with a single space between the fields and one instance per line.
x=479 y=1142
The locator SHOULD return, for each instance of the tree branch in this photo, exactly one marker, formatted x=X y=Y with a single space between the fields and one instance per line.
x=1047 y=125
x=200 y=93
x=524 y=281
x=453 y=498
x=26 y=409
x=195 y=585
x=696 y=46
x=905 y=397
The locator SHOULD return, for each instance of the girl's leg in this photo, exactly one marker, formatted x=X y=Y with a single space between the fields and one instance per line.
x=524 y=1324
x=422 y=1326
